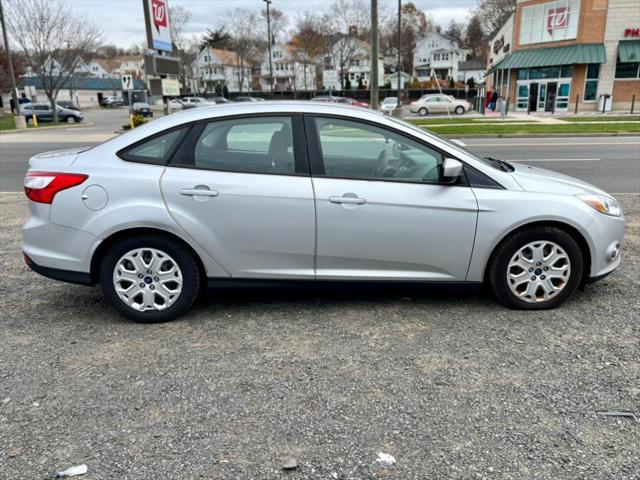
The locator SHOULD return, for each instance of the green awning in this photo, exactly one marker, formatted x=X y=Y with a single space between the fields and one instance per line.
x=629 y=51
x=553 y=56
x=497 y=66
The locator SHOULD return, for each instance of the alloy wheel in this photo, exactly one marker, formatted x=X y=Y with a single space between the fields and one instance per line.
x=538 y=271
x=147 y=279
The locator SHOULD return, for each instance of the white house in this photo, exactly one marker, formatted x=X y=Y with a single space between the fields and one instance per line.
x=214 y=66
x=91 y=68
x=349 y=58
x=289 y=69
x=472 y=69
x=437 y=52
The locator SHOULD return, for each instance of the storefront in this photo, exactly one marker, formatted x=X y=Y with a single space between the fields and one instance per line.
x=571 y=55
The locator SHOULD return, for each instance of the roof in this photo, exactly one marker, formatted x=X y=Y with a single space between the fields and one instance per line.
x=85 y=83
x=552 y=56
x=227 y=57
x=478 y=64
x=629 y=51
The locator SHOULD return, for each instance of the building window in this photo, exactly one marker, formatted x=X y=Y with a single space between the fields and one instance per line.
x=627 y=70
x=549 y=22
x=591 y=83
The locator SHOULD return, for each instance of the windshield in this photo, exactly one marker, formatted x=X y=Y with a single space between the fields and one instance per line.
x=489 y=162
x=390 y=100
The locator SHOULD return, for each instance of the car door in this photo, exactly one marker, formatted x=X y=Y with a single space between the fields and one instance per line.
x=433 y=105
x=381 y=211
x=43 y=112
x=240 y=187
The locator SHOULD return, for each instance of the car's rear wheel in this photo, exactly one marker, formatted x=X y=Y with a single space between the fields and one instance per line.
x=423 y=112
x=536 y=268
x=149 y=278
x=459 y=110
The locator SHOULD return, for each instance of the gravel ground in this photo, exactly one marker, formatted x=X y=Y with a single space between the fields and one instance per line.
x=449 y=383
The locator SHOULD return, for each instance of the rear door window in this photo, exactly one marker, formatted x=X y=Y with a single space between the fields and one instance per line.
x=156 y=150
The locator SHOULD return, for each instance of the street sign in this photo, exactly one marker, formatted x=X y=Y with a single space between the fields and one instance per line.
x=127 y=82
x=170 y=87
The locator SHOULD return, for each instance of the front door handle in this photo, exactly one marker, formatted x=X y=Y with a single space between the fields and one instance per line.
x=198 y=192
x=349 y=200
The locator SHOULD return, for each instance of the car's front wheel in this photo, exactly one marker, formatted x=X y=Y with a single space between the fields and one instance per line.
x=459 y=110
x=149 y=278
x=423 y=112
x=536 y=268
x=71 y=120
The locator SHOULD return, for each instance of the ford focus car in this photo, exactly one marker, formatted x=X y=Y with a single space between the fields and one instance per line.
x=307 y=192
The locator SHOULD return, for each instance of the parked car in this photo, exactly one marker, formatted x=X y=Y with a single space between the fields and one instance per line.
x=248 y=99
x=254 y=191
x=218 y=100
x=352 y=101
x=142 y=108
x=335 y=99
x=175 y=104
x=191 y=102
x=325 y=98
x=68 y=105
x=388 y=105
x=437 y=103
x=112 y=101
x=44 y=113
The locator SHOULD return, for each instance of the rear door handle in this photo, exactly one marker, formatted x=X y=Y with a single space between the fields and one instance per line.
x=350 y=200
x=198 y=192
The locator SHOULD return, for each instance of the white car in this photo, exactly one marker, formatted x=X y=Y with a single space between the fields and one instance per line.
x=439 y=103
x=175 y=104
x=388 y=105
x=190 y=102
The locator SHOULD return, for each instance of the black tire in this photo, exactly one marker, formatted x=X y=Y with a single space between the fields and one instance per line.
x=185 y=261
x=423 y=112
x=459 y=110
x=497 y=271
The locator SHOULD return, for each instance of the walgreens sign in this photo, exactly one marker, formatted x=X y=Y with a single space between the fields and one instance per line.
x=158 y=26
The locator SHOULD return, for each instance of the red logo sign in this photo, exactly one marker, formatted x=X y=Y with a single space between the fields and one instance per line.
x=632 y=32
x=557 y=18
x=159 y=14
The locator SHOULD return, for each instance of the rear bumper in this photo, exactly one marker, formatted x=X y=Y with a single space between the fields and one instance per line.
x=80 y=278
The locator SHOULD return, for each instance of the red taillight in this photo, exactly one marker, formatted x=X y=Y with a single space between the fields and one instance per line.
x=41 y=187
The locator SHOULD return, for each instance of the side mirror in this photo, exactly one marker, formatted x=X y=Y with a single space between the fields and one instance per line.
x=451 y=170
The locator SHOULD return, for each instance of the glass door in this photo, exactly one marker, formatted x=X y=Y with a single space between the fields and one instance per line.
x=523 y=97
x=562 y=99
x=542 y=96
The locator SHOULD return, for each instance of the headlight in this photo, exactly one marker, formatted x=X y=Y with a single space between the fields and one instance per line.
x=606 y=205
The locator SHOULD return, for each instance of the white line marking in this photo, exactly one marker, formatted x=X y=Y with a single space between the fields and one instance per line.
x=525 y=160
x=586 y=144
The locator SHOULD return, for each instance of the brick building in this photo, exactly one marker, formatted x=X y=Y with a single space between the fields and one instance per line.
x=567 y=51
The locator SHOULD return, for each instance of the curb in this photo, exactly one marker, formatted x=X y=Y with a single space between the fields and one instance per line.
x=52 y=127
x=540 y=135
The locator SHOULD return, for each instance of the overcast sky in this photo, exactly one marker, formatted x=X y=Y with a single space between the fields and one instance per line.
x=123 y=25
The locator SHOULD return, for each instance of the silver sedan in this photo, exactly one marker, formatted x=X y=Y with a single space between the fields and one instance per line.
x=307 y=192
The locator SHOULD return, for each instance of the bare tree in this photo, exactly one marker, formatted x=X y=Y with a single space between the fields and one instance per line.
x=494 y=13
x=53 y=37
x=241 y=26
x=307 y=42
x=180 y=16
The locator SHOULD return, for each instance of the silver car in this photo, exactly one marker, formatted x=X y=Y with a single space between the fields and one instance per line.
x=307 y=191
x=435 y=103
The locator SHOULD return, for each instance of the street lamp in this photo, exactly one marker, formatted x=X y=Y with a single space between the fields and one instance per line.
x=18 y=118
x=268 y=2
x=399 y=67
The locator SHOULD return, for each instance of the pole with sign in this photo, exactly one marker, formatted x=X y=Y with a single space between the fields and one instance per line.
x=127 y=86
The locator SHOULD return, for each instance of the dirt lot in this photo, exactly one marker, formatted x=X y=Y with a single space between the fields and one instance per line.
x=450 y=383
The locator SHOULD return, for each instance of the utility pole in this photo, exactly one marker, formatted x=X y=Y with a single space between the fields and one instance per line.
x=18 y=118
x=268 y=2
x=399 y=67
x=374 y=86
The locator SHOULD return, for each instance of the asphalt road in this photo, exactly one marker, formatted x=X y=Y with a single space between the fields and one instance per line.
x=450 y=383
x=611 y=163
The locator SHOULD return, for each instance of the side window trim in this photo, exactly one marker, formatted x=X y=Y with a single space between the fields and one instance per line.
x=316 y=161
x=186 y=159
x=122 y=153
